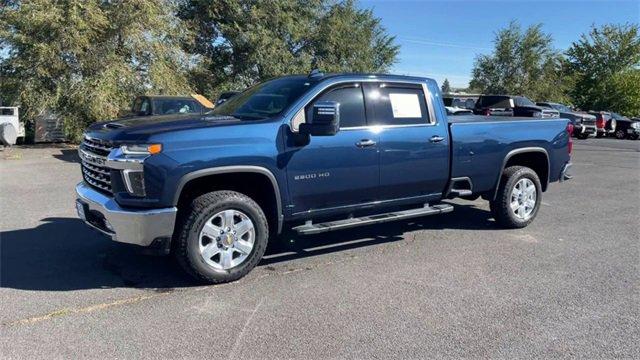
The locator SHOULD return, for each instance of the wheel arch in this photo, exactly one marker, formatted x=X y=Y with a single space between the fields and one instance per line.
x=536 y=158
x=263 y=189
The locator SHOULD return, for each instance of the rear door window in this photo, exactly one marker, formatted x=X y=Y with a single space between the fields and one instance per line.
x=397 y=104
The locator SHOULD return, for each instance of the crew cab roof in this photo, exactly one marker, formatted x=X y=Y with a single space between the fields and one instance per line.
x=388 y=77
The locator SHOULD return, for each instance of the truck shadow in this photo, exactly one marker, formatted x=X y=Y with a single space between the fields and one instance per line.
x=68 y=155
x=63 y=254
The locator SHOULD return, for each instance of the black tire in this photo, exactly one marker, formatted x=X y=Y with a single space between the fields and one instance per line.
x=582 y=136
x=599 y=135
x=633 y=137
x=620 y=134
x=198 y=212
x=500 y=207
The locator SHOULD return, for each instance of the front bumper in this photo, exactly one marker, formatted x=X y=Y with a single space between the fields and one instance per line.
x=132 y=226
x=588 y=129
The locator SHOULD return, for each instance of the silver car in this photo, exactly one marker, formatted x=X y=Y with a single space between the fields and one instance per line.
x=584 y=125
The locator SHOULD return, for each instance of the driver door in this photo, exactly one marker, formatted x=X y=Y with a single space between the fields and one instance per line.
x=330 y=173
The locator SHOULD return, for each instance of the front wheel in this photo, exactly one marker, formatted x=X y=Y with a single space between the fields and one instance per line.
x=222 y=236
x=582 y=136
x=620 y=134
x=518 y=198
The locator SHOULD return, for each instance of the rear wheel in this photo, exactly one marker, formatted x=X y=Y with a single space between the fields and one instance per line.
x=518 y=198
x=620 y=134
x=223 y=235
x=582 y=136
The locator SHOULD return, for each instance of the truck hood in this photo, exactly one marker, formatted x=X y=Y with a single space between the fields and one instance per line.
x=140 y=128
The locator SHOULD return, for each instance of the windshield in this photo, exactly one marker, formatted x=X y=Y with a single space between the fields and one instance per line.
x=561 y=107
x=264 y=100
x=617 y=116
x=172 y=106
x=494 y=102
x=523 y=101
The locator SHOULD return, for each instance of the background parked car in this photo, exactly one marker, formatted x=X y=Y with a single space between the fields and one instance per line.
x=605 y=123
x=626 y=128
x=148 y=105
x=454 y=110
x=11 y=129
x=584 y=125
x=466 y=101
x=508 y=105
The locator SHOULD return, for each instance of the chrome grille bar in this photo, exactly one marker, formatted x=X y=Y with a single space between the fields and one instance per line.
x=93 y=154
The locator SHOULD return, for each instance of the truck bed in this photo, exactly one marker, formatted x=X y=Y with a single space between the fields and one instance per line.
x=480 y=144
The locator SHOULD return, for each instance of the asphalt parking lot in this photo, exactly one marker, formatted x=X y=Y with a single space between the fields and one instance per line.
x=445 y=286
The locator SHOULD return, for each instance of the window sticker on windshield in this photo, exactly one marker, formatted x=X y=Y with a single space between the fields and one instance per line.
x=405 y=105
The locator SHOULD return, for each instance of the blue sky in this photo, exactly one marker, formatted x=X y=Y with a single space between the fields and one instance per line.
x=440 y=39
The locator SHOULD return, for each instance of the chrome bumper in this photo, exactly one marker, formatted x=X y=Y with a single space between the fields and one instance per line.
x=132 y=226
x=566 y=172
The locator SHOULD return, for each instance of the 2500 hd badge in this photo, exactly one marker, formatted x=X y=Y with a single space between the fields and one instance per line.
x=312 y=176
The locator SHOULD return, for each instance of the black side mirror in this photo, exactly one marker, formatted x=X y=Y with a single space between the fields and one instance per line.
x=325 y=119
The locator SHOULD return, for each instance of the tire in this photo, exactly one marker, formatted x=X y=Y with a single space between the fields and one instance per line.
x=501 y=207
x=194 y=248
x=582 y=136
x=633 y=137
x=8 y=134
x=599 y=135
x=620 y=134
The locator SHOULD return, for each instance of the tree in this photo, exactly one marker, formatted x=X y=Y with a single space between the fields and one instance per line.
x=241 y=42
x=604 y=65
x=446 y=88
x=522 y=63
x=85 y=59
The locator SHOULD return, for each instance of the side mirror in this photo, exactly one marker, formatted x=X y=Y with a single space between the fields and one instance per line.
x=325 y=119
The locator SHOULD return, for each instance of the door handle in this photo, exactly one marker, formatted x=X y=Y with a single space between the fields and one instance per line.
x=365 y=143
x=436 y=139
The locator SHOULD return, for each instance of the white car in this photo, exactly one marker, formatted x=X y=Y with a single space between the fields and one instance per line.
x=454 y=110
x=10 y=127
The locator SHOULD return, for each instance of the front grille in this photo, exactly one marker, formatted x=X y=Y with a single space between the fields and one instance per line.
x=93 y=154
x=588 y=121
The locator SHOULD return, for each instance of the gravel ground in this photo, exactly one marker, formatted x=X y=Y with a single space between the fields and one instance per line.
x=445 y=286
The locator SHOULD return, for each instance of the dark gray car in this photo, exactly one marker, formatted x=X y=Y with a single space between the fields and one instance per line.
x=584 y=125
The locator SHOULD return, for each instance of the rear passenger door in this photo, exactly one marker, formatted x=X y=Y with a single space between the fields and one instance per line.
x=413 y=145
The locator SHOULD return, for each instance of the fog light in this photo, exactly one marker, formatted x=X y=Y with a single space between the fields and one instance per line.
x=134 y=182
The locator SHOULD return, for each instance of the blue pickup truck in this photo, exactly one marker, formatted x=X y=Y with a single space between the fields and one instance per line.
x=309 y=154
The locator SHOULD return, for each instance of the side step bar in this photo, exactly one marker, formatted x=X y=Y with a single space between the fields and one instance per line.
x=311 y=228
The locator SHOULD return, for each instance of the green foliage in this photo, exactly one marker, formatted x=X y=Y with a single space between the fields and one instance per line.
x=604 y=67
x=624 y=94
x=522 y=63
x=85 y=59
x=241 y=42
x=446 y=87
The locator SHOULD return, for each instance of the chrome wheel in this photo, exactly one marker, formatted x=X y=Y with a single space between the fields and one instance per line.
x=523 y=198
x=226 y=239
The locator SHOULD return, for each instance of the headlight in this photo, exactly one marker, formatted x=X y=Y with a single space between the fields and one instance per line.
x=141 y=149
x=635 y=125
